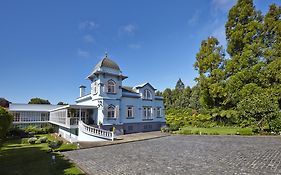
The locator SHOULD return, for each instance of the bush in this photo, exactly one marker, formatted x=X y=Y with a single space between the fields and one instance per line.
x=275 y=124
x=165 y=129
x=34 y=130
x=24 y=140
x=55 y=144
x=32 y=140
x=38 y=141
x=174 y=127
x=16 y=132
x=43 y=139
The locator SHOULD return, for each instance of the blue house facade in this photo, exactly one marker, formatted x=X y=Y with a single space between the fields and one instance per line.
x=108 y=105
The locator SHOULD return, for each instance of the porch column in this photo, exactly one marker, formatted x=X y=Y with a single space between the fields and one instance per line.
x=79 y=114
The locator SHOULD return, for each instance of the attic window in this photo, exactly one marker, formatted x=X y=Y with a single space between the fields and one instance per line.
x=147 y=94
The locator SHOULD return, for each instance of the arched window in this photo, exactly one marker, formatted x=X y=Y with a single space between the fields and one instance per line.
x=147 y=94
x=95 y=88
x=111 y=86
x=111 y=111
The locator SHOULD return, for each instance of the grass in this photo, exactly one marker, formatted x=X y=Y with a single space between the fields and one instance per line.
x=19 y=158
x=215 y=131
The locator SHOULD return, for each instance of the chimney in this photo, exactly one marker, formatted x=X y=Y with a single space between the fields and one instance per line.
x=82 y=90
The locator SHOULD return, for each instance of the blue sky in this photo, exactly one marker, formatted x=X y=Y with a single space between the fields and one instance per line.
x=47 y=48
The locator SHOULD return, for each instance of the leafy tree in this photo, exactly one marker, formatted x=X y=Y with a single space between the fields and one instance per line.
x=168 y=100
x=38 y=101
x=272 y=33
x=259 y=108
x=6 y=120
x=210 y=63
x=4 y=103
x=180 y=85
x=209 y=57
x=243 y=34
x=158 y=93
x=194 y=98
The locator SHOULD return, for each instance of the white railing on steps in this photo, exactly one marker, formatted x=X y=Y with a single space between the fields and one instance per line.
x=93 y=131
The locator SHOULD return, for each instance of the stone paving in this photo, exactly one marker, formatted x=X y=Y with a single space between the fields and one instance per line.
x=184 y=155
x=125 y=139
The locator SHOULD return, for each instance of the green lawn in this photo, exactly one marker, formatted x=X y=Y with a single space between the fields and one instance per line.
x=17 y=158
x=215 y=131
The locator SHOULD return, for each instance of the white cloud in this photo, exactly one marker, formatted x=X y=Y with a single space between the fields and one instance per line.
x=223 y=5
x=134 y=46
x=88 y=39
x=128 y=29
x=88 y=25
x=82 y=53
x=194 y=18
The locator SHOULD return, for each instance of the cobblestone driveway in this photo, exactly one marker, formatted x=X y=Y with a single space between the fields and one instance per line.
x=184 y=155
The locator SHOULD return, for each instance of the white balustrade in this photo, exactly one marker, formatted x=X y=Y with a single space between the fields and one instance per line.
x=96 y=131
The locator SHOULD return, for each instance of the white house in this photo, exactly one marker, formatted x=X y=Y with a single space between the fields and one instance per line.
x=109 y=105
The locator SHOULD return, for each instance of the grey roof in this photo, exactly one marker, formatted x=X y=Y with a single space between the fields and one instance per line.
x=32 y=107
x=142 y=85
x=128 y=89
x=106 y=62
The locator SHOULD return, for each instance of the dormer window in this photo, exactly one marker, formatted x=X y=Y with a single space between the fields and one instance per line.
x=147 y=94
x=111 y=86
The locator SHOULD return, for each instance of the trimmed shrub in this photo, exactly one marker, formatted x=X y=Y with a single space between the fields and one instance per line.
x=34 y=130
x=165 y=129
x=32 y=140
x=55 y=144
x=43 y=139
x=174 y=127
x=24 y=140
x=38 y=141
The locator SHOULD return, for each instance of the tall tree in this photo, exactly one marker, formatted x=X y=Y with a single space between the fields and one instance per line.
x=243 y=34
x=210 y=64
x=38 y=101
x=272 y=33
x=180 y=85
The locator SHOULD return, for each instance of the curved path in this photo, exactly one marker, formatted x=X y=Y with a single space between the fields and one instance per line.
x=184 y=155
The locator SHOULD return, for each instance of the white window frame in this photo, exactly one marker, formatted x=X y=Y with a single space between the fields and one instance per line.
x=111 y=86
x=147 y=113
x=111 y=111
x=130 y=112
x=158 y=112
x=147 y=94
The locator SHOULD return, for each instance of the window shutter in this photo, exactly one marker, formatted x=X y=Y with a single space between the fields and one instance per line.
x=105 y=87
x=117 y=111
x=105 y=109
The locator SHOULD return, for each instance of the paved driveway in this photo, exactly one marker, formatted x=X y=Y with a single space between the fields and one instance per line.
x=184 y=155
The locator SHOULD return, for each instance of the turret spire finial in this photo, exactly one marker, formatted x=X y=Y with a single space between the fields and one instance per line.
x=106 y=54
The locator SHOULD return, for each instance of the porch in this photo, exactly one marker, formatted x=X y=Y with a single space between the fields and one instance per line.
x=69 y=116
